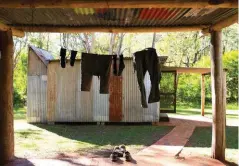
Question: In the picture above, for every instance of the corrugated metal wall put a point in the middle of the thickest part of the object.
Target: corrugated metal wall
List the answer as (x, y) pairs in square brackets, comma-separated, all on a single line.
[(73, 105), (100, 103), (36, 89), (132, 110)]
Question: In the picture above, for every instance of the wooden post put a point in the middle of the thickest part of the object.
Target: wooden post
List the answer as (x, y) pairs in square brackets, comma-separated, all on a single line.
[(224, 101), (202, 94), (218, 125), (6, 97)]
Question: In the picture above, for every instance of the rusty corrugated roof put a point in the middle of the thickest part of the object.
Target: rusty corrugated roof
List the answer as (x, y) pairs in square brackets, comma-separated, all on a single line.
[(44, 55), (82, 17)]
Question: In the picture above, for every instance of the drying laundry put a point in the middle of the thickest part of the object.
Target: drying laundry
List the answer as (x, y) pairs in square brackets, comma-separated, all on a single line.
[(73, 57), (95, 65), (147, 60), (63, 57), (118, 67)]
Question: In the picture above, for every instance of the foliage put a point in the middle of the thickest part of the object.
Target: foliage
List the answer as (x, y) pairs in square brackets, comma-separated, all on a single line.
[(189, 86), (20, 81), (183, 49)]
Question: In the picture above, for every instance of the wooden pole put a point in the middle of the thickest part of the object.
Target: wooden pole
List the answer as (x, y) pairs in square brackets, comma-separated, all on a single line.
[(221, 24), (15, 32), (115, 4), (64, 29), (218, 125), (6, 97), (202, 94), (224, 100)]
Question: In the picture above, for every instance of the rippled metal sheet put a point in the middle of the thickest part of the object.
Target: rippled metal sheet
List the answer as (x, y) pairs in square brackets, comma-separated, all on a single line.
[(80, 17), (100, 103), (37, 99), (132, 110), (73, 105)]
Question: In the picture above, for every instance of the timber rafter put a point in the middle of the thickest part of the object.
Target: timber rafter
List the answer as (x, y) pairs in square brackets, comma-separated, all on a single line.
[(115, 4), (15, 32)]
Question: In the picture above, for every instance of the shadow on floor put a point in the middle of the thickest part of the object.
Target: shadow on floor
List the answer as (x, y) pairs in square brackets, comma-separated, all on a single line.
[(19, 162), (110, 135)]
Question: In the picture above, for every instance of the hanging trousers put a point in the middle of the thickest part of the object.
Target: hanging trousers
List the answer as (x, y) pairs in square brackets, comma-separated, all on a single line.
[(147, 60), (118, 69), (95, 65)]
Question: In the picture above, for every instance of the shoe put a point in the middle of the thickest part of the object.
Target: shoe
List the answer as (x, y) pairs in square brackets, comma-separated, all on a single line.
[(118, 151), (127, 156), (114, 157), (122, 148)]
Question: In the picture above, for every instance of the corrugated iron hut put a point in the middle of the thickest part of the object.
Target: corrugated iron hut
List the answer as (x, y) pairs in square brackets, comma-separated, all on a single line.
[(18, 16), (54, 94)]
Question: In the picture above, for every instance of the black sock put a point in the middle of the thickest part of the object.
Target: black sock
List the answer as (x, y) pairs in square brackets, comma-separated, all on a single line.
[(121, 65), (63, 57), (73, 57), (115, 65)]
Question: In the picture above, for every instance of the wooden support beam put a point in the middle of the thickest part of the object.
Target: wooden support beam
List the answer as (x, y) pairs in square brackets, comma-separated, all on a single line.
[(6, 97), (218, 125), (202, 94), (225, 23), (187, 70), (115, 4), (15, 31), (224, 103), (221, 24), (109, 29)]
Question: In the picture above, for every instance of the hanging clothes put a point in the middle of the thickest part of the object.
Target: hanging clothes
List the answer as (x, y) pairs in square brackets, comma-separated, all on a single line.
[(95, 65), (73, 57), (147, 60), (118, 69), (63, 57)]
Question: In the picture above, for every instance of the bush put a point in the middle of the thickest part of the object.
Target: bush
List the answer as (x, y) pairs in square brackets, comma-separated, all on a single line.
[(189, 86)]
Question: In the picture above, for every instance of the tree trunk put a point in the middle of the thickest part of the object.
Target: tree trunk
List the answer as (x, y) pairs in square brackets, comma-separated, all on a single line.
[(202, 94), (120, 44), (218, 125), (112, 41), (6, 97), (154, 38)]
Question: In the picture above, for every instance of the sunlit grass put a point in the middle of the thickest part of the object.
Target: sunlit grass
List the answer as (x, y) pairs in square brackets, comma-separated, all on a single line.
[(200, 142), (49, 140), (20, 113)]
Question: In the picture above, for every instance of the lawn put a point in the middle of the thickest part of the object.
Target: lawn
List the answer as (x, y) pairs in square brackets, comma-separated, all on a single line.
[(200, 143), (20, 113), (230, 114), (49, 141)]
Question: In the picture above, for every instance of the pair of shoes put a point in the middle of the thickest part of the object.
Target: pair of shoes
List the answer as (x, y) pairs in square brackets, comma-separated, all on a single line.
[(120, 151)]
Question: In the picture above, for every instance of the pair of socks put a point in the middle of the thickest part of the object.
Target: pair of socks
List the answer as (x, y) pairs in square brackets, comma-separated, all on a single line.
[(63, 57)]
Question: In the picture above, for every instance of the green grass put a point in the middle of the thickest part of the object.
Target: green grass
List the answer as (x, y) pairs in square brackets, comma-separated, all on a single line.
[(50, 140), (187, 105), (201, 141), (20, 113), (207, 112)]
